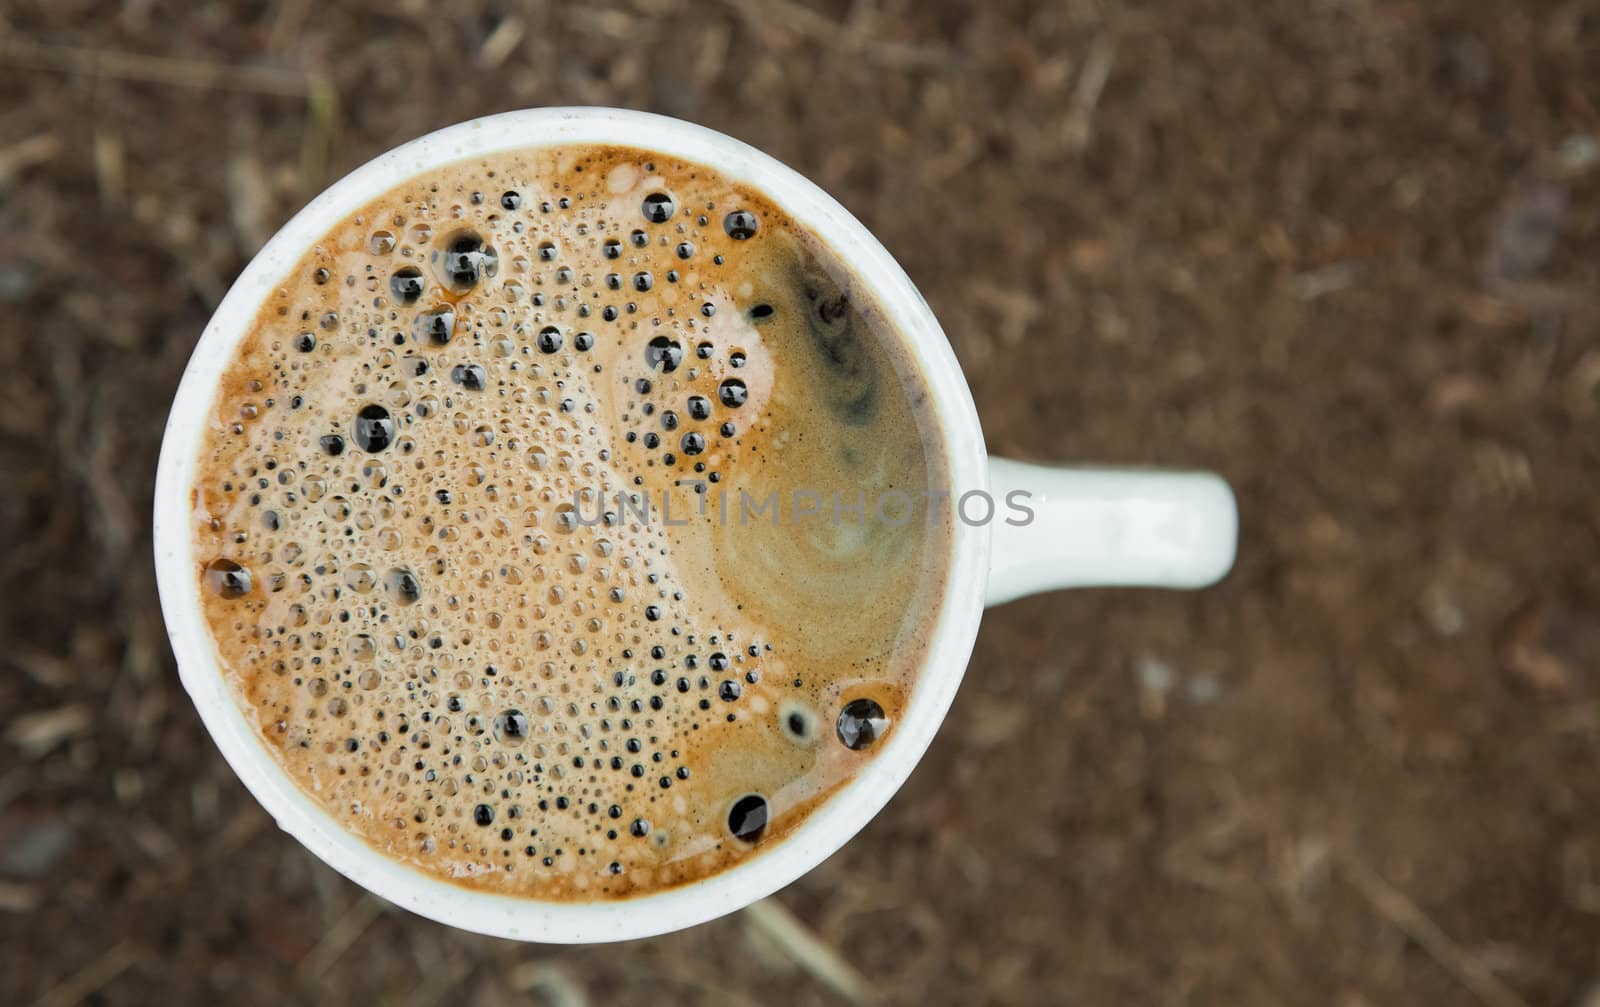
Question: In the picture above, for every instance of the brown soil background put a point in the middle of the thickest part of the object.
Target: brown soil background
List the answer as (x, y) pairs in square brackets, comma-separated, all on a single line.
[(1343, 251)]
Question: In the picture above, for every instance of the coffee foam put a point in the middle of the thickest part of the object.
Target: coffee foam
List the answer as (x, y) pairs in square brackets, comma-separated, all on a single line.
[(431, 600)]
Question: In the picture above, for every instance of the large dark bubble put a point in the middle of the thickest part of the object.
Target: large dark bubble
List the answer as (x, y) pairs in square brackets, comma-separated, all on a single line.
[(747, 819), (374, 429), (466, 260)]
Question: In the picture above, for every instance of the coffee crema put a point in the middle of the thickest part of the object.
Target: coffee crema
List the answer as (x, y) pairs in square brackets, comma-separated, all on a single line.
[(561, 527)]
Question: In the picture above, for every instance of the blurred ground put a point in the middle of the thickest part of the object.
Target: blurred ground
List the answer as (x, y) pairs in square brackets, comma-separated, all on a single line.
[(1344, 251)]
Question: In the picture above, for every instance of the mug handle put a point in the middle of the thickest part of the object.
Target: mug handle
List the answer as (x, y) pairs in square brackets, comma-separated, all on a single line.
[(1106, 527)]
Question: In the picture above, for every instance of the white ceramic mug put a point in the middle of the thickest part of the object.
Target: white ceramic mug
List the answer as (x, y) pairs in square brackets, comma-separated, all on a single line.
[(1091, 527)]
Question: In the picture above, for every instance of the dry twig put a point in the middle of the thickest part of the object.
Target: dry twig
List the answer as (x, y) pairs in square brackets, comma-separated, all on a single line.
[(1079, 124), (501, 42), (809, 951), (808, 24), (91, 978), (153, 69), (1404, 914), (24, 154), (37, 733), (340, 937)]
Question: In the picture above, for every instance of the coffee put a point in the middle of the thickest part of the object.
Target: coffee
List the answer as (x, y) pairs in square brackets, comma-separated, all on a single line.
[(567, 523)]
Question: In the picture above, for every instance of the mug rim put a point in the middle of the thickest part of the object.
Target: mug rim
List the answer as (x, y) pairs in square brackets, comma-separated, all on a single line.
[(827, 827)]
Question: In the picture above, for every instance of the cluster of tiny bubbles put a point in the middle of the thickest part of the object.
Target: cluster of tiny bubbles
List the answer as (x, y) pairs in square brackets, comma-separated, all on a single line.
[(505, 682)]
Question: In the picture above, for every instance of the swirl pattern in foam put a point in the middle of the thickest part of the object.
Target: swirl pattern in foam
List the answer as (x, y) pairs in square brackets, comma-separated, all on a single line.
[(564, 523)]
